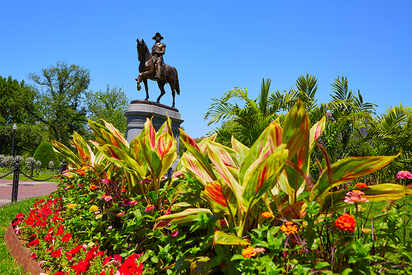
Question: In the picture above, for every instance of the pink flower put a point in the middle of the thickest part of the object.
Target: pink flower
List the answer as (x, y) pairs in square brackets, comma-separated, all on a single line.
[(149, 208), (404, 175), (120, 214), (174, 234), (132, 202), (145, 181), (106, 181), (106, 197), (354, 196), (110, 227)]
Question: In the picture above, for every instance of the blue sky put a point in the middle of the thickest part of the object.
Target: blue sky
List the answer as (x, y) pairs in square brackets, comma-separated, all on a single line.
[(217, 45)]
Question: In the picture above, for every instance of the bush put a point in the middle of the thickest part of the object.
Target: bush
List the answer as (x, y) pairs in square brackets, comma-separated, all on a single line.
[(44, 153)]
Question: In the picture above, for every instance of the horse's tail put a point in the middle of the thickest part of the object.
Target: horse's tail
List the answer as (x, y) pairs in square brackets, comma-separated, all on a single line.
[(176, 81)]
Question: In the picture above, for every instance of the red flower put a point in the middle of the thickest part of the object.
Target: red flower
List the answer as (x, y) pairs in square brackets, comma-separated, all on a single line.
[(34, 242), (91, 254), (59, 273), (346, 223), (48, 238), (107, 259), (60, 231), (81, 266), (130, 266), (69, 255), (56, 253), (20, 216), (74, 251), (66, 237)]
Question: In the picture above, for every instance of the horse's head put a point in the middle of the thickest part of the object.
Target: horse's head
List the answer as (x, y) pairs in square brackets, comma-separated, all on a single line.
[(142, 49)]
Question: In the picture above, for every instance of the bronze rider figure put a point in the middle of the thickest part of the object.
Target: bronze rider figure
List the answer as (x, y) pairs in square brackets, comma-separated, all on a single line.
[(158, 50)]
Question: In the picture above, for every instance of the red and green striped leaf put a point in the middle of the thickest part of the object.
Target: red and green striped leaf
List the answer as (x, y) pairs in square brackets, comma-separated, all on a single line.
[(224, 238), (186, 216), (348, 169)]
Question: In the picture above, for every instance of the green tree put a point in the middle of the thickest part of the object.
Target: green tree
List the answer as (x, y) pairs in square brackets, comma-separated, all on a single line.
[(18, 105), (63, 89), (109, 105)]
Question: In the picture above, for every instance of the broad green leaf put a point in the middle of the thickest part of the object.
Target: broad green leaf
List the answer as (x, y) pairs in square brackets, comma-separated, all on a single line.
[(186, 216), (348, 169), (316, 131), (194, 150), (195, 167), (223, 238), (117, 137), (296, 129), (269, 139), (221, 158), (66, 153), (386, 192), (239, 149), (259, 176)]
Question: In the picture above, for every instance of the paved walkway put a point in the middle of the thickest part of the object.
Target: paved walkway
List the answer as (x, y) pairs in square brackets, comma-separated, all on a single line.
[(27, 189)]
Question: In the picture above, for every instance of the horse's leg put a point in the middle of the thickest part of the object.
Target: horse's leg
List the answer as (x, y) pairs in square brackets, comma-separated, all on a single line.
[(138, 79), (161, 85), (146, 88), (172, 87)]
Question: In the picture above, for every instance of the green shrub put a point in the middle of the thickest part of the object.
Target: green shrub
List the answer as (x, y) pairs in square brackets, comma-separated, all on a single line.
[(44, 153)]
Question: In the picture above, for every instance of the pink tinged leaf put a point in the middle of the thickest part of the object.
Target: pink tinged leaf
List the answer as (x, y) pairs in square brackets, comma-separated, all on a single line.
[(261, 179), (113, 153), (186, 138), (227, 160), (164, 145), (214, 191)]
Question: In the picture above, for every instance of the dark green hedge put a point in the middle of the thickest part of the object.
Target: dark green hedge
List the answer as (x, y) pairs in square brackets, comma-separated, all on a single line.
[(44, 152)]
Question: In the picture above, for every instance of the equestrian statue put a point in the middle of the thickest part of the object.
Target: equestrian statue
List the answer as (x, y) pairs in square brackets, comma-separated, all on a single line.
[(152, 67)]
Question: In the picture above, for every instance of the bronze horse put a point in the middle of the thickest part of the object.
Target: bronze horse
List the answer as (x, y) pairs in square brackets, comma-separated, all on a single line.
[(147, 71)]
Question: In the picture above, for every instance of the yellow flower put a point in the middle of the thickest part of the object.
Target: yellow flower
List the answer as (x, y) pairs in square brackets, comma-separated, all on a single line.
[(267, 215), (93, 208), (71, 205), (289, 227)]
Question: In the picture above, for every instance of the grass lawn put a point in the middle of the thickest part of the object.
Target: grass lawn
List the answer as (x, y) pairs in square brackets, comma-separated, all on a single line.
[(7, 212), (42, 175)]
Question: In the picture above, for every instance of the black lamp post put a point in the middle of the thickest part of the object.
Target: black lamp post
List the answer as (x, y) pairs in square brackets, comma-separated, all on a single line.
[(12, 141), (16, 169)]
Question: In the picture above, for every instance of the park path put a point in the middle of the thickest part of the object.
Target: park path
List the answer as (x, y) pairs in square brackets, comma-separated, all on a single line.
[(27, 189)]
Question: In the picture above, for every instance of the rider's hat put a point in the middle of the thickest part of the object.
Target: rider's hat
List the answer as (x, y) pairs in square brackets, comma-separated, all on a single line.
[(157, 35)]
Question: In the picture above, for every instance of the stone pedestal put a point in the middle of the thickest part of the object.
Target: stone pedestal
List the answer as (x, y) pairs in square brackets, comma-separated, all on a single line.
[(139, 110)]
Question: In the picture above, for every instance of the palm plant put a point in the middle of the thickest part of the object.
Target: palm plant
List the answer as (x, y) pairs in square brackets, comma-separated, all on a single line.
[(249, 120)]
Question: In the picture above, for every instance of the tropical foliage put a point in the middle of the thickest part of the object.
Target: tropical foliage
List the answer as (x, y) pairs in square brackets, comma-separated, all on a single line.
[(232, 209), (352, 127)]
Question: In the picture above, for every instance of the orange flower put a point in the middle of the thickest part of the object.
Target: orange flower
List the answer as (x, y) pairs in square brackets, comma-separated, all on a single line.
[(251, 251), (346, 223), (289, 227), (81, 171), (267, 215), (93, 187), (361, 185)]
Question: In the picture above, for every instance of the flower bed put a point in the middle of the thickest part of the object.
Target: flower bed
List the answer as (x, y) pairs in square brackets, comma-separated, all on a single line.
[(226, 210)]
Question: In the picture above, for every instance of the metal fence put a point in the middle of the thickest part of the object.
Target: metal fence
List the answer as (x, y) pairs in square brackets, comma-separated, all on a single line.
[(16, 171)]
